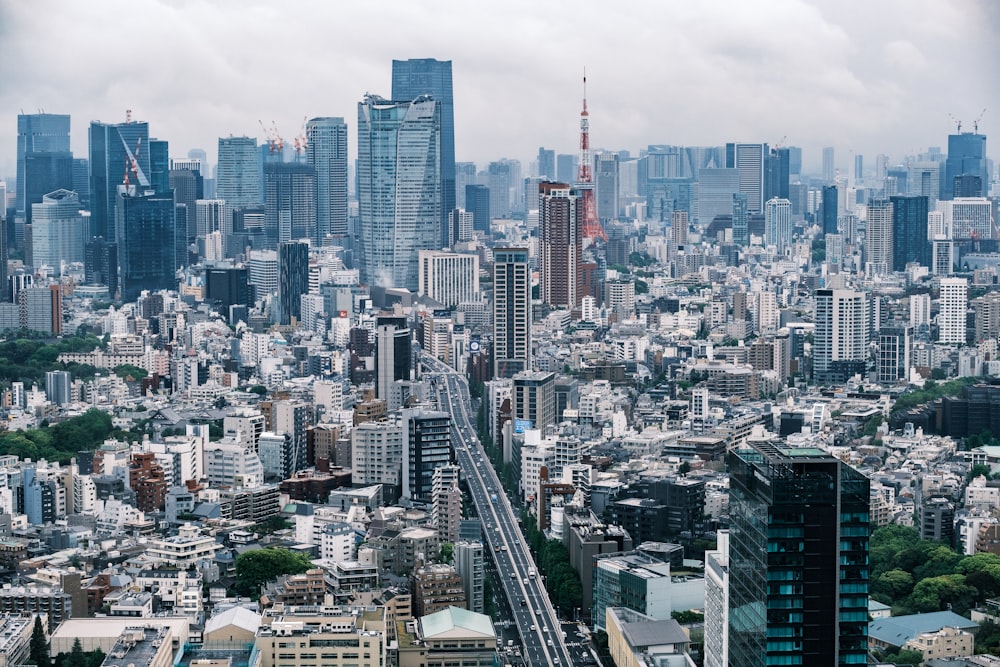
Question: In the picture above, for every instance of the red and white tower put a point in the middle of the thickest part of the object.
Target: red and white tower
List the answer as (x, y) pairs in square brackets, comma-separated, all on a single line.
[(592, 228)]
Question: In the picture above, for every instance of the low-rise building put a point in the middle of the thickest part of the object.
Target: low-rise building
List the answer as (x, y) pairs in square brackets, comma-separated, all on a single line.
[(452, 636)]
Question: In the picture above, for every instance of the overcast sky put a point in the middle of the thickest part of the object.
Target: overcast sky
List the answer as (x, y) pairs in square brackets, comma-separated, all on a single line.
[(863, 76)]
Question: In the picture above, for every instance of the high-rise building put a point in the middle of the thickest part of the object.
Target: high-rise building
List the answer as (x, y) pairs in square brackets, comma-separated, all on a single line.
[(101, 263), (118, 152), (38, 133), (840, 341), (546, 164), (188, 185), (716, 647), (58, 386), (967, 185), (878, 237), (829, 210), (460, 224), (59, 231), (290, 202), (966, 155), (566, 167), (426, 448), (716, 188), (511, 311), (909, 232), (393, 355), (262, 267), (798, 558), (778, 224), (954, 305), (293, 279), (776, 174), (679, 224), (859, 169), (748, 161), (560, 244), (893, 355), (238, 174), (449, 278), (829, 166), (427, 76), (465, 175), (968, 218), (607, 185), (399, 188), (535, 398), (326, 151), (209, 216), (470, 563), (81, 181), (145, 236), (741, 219), (504, 180), (44, 173), (477, 201)]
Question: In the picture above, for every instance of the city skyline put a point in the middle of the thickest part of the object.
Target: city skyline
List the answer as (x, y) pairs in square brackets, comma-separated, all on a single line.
[(858, 78)]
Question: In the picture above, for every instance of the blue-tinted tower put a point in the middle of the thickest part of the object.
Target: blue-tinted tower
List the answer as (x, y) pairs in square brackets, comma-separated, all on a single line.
[(909, 232), (38, 133), (115, 150), (966, 155)]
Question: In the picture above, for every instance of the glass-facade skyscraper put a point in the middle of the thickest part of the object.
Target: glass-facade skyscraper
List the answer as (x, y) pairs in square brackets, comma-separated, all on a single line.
[(327, 153), (293, 279), (399, 187), (427, 76), (238, 175), (909, 232), (44, 172), (289, 202), (966, 155), (798, 558), (147, 245), (38, 133), (115, 150)]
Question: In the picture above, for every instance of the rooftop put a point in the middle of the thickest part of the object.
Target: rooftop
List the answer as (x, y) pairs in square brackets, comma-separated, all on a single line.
[(454, 621), (898, 630)]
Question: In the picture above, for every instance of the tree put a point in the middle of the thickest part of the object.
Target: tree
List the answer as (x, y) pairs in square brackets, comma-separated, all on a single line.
[(253, 568), (904, 657), (38, 647), (979, 469), (76, 657), (447, 549), (892, 586), (684, 468)]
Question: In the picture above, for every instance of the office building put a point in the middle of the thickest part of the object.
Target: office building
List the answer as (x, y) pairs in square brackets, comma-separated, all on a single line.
[(566, 167), (58, 387), (560, 244), (377, 456), (954, 304), (470, 563), (859, 170), (45, 173), (118, 154), (892, 362), (460, 225), (101, 264), (188, 184), (427, 448), (546, 166), (840, 341), (446, 502), (228, 286), (607, 190), (534, 399), (748, 161), (145, 237), (238, 174), (504, 182), (798, 558), (967, 185), (925, 179), (293, 279), (968, 218), (966, 155), (942, 256), (210, 216), (829, 166), (477, 201), (427, 76), (776, 176), (289, 202), (59, 231), (37, 134), (465, 175), (716, 187), (878, 237), (741, 219), (511, 311), (716, 647), (393, 356), (449, 278), (909, 232), (40, 309), (399, 188), (344, 636), (778, 224), (326, 152), (829, 210)]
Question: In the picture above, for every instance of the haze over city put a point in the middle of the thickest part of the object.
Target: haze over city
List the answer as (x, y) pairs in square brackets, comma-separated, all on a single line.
[(862, 77)]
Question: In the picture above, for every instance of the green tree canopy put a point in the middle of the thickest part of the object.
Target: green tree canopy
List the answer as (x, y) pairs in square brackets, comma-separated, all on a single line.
[(253, 568), (38, 646)]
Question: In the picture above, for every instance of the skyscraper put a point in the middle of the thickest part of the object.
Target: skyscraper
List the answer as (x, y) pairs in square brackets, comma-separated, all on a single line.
[(954, 304), (840, 341), (829, 166), (741, 219), (776, 174), (504, 180), (59, 232), (427, 447), (238, 173), (798, 558), (38, 133), (477, 201), (878, 237), (293, 279), (290, 202), (145, 236), (427, 76), (778, 224), (393, 355), (909, 232), (546, 164), (748, 160), (560, 244), (44, 173), (966, 155), (511, 311), (607, 185), (399, 187), (465, 175), (829, 210), (327, 153), (859, 169), (566, 168), (116, 151)]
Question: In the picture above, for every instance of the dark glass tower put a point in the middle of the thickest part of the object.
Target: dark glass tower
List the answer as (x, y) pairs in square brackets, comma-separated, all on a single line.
[(798, 559), (145, 235), (112, 150), (44, 173), (828, 210), (741, 220), (966, 155), (427, 76), (38, 133), (290, 201), (477, 202), (293, 279), (776, 174), (909, 232)]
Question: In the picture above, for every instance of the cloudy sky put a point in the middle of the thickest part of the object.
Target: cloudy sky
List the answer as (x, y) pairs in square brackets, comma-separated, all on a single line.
[(868, 77)]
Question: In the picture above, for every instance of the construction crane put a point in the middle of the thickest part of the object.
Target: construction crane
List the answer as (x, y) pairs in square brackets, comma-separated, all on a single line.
[(132, 163), (592, 228), (958, 123), (975, 123), (302, 140), (780, 143), (274, 141)]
